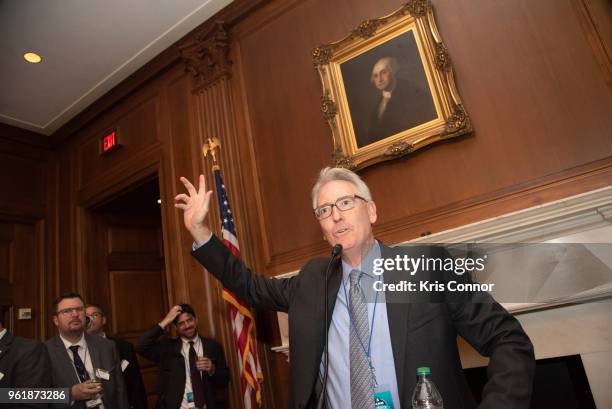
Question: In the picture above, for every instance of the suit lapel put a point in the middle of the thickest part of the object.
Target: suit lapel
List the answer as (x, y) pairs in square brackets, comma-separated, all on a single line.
[(94, 353), (397, 316), (63, 359), (333, 285)]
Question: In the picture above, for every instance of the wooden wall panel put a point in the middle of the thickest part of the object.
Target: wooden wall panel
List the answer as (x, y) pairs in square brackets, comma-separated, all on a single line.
[(137, 127), (539, 105), (135, 299), (20, 272), (24, 211), (21, 179)]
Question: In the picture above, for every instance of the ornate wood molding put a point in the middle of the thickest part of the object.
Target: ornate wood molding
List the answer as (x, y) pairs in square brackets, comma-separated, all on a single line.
[(206, 56)]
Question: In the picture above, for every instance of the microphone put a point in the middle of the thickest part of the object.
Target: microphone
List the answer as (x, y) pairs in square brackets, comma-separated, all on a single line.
[(321, 401), (87, 322)]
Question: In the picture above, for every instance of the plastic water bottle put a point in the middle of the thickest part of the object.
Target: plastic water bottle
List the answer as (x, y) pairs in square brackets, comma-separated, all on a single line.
[(426, 395)]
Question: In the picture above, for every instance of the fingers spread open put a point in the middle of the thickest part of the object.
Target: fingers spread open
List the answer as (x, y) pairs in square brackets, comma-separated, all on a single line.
[(188, 186)]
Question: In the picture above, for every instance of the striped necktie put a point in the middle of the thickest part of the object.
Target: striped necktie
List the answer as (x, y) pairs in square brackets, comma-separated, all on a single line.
[(362, 382)]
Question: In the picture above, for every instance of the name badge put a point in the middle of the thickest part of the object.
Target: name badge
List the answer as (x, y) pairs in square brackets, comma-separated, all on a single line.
[(124, 364), (102, 374), (190, 402), (382, 398)]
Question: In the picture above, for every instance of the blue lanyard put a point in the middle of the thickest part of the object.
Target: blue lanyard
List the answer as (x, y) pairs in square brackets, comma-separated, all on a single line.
[(368, 351)]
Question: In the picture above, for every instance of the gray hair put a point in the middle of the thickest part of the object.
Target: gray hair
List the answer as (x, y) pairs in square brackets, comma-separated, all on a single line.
[(390, 62), (329, 174)]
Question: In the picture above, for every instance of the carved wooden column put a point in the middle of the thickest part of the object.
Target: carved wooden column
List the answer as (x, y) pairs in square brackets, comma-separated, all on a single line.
[(206, 57)]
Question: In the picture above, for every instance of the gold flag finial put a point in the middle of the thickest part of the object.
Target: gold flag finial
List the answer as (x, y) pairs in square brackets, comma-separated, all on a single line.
[(211, 146)]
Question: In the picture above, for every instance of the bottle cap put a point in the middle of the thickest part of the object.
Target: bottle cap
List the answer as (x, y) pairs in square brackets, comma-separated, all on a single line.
[(423, 370)]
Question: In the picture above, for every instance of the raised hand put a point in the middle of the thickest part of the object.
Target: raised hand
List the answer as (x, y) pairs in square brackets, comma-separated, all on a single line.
[(195, 205), (174, 312)]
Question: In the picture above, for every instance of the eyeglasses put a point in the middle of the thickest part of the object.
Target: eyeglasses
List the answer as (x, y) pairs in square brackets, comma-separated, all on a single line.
[(68, 311), (343, 204), (95, 315)]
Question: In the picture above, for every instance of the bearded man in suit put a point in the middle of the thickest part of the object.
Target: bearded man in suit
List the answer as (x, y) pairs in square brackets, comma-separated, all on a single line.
[(192, 367), (87, 364)]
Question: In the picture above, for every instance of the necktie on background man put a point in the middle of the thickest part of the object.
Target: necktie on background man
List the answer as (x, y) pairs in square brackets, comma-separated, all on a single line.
[(242, 318), (78, 364), (362, 382), (196, 378)]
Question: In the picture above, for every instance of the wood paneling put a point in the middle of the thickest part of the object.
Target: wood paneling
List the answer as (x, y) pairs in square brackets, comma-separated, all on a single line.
[(22, 179), (595, 17), (135, 297), (137, 130), (125, 268), (24, 214), (20, 274)]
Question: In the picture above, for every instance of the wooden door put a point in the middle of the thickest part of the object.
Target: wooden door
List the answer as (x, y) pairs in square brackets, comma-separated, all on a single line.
[(126, 274)]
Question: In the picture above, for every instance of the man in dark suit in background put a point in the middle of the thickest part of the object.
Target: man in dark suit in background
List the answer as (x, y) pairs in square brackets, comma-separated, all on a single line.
[(401, 106), (191, 366), (137, 396), (403, 335), (23, 363), (87, 364)]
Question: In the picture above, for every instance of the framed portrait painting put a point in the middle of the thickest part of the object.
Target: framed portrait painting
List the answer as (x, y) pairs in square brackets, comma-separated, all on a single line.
[(388, 88)]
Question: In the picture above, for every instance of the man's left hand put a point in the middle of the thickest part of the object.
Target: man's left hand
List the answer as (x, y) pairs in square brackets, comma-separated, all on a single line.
[(205, 364)]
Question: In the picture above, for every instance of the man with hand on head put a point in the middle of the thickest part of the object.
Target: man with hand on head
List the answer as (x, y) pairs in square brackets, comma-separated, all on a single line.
[(135, 390), (87, 364), (23, 363), (374, 347), (191, 366)]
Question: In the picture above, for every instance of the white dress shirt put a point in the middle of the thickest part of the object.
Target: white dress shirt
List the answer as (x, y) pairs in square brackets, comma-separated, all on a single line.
[(197, 345), (85, 356)]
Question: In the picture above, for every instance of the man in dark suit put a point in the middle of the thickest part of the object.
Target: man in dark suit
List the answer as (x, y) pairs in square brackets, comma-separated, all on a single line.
[(370, 343), (401, 106), (23, 363), (137, 396), (191, 366), (87, 364)]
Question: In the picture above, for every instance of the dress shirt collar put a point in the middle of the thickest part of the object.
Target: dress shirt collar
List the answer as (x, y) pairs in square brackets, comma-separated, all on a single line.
[(367, 263), (80, 343), (195, 340)]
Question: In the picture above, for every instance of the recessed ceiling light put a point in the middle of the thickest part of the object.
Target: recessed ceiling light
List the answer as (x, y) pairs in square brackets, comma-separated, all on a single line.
[(32, 57)]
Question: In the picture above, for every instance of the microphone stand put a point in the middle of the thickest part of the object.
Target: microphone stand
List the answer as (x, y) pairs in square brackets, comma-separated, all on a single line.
[(321, 401)]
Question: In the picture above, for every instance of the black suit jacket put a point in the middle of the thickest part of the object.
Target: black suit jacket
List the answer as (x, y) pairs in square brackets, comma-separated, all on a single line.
[(407, 108), (422, 334), (136, 394), (23, 364), (171, 382), (103, 355)]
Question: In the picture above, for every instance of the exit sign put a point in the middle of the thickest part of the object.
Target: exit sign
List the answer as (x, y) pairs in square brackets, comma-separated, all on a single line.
[(109, 142)]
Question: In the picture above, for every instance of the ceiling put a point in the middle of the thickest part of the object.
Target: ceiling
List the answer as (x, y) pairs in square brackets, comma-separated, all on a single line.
[(87, 46)]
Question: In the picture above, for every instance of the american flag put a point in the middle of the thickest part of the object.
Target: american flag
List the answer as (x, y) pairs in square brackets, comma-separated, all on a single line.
[(242, 319)]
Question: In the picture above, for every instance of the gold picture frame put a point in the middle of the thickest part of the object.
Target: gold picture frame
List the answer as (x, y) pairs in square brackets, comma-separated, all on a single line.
[(389, 88)]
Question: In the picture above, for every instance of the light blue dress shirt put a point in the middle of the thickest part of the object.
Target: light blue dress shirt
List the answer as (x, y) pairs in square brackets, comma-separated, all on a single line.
[(339, 379)]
